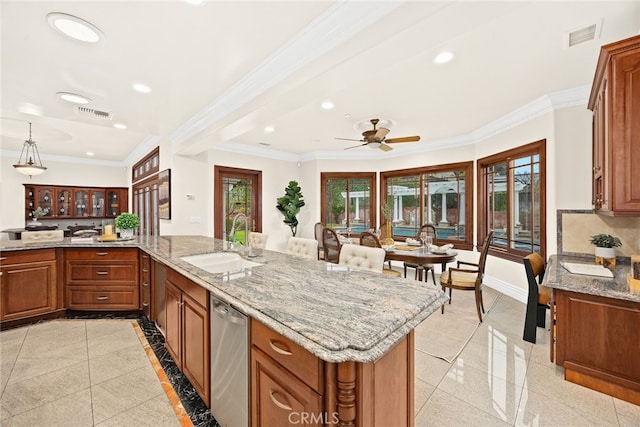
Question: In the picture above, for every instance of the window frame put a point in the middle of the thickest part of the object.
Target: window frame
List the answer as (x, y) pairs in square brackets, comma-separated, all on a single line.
[(533, 148), (467, 243), (373, 181)]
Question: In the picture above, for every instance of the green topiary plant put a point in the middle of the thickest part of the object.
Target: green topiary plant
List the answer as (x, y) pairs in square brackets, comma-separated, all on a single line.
[(127, 221), (605, 241), (289, 205)]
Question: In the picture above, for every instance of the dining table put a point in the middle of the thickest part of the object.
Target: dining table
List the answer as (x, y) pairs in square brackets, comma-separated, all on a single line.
[(419, 255)]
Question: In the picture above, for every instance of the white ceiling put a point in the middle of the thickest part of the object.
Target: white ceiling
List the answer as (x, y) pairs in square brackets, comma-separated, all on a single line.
[(223, 71)]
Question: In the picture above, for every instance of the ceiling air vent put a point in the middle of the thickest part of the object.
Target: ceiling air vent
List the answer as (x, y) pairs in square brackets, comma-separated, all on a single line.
[(94, 113), (582, 35)]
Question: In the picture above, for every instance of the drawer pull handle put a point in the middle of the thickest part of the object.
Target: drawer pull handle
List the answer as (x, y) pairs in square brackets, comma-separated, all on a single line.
[(285, 406), (145, 284), (144, 270), (145, 256), (102, 273), (102, 253), (102, 298), (145, 304), (3, 258), (276, 346)]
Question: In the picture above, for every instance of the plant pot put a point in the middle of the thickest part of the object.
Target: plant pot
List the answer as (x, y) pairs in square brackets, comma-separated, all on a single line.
[(126, 234), (605, 256)]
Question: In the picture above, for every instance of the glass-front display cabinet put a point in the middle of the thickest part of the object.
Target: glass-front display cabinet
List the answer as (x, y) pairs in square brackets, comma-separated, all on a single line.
[(97, 203), (63, 202)]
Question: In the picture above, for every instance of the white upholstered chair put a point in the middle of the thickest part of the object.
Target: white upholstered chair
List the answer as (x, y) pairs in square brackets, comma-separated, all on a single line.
[(42, 236), (306, 248), (257, 240), (362, 257)]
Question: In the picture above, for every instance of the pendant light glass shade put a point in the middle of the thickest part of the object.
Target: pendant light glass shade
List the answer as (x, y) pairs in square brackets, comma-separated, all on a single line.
[(29, 151)]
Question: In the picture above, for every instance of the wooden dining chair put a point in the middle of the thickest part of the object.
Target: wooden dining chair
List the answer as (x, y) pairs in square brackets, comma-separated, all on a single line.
[(317, 231), (331, 245), (468, 279), (431, 231), (539, 296), (369, 239)]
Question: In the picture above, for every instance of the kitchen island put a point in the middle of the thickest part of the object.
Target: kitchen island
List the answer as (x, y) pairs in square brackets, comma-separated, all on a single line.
[(595, 333), (354, 328)]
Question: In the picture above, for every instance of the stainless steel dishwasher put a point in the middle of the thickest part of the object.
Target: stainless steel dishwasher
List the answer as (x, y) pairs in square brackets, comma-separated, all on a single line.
[(229, 365)]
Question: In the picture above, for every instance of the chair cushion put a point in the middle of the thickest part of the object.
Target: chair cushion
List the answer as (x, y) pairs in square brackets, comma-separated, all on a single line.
[(410, 265), (544, 295), (459, 278), (393, 273)]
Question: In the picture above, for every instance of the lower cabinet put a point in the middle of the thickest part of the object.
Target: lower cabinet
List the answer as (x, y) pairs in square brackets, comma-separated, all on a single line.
[(28, 283), (102, 279), (290, 386), (597, 340), (145, 284), (187, 330)]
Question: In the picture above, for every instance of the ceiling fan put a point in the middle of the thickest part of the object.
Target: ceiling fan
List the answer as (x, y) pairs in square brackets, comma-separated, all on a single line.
[(376, 138)]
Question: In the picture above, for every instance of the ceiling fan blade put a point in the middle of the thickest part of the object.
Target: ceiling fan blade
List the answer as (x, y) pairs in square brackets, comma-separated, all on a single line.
[(381, 133), (356, 146), (349, 139), (403, 139), (385, 147)]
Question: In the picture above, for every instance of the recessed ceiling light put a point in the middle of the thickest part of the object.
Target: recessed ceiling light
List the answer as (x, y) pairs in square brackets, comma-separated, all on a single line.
[(73, 97), (269, 129), (327, 105), (90, 153), (194, 2), (32, 109), (75, 27), (141, 87), (443, 57), (119, 126)]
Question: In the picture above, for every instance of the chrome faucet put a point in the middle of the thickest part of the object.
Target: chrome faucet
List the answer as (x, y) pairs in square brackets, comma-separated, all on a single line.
[(246, 230)]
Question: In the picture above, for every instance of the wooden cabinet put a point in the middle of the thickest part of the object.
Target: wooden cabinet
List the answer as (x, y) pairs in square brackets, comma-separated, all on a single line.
[(615, 102), (187, 330), (28, 283), (102, 279), (290, 386), (75, 202), (597, 342)]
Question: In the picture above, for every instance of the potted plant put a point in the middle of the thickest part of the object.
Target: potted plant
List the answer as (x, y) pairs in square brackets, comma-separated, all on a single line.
[(605, 248), (37, 214), (126, 222), (289, 205)]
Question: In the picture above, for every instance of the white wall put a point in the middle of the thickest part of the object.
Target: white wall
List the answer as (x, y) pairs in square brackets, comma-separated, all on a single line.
[(58, 173)]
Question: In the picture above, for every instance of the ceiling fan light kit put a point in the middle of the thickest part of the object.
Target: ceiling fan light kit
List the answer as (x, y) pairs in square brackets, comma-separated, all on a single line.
[(376, 138)]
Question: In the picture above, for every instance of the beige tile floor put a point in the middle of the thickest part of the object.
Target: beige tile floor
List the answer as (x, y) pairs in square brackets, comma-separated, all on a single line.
[(94, 372)]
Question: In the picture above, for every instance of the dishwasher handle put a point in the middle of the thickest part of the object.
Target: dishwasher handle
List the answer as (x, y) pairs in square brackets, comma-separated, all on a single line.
[(228, 314)]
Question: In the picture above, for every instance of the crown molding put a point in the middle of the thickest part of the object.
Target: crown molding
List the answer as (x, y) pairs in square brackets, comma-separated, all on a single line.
[(336, 25), (142, 149)]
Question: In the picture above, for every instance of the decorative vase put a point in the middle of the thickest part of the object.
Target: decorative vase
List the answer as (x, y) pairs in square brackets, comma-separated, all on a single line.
[(126, 234), (387, 241), (605, 256), (34, 222)]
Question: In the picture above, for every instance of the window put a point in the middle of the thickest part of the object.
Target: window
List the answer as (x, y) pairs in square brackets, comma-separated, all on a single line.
[(147, 166), (511, 199), (145, 192), (438, 195), (346, 200)]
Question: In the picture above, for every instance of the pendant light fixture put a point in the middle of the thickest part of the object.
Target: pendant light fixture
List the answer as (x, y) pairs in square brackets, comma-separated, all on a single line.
[(30, 151)]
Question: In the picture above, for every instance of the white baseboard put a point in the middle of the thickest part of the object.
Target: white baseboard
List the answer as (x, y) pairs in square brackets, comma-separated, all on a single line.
[(506, 288)]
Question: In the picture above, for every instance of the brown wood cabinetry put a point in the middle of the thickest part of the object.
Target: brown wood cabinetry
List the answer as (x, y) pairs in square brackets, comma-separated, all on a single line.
[(146, 282), (290, 386), (28, 284), (102, 279), (615, 102), (187, 330), (597, 340), (75, 202)]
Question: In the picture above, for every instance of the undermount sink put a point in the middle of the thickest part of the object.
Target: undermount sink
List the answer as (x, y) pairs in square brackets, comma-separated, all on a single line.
[(219, 262)]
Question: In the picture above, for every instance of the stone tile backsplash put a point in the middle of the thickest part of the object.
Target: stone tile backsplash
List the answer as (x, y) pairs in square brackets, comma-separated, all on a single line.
[(576, 228)]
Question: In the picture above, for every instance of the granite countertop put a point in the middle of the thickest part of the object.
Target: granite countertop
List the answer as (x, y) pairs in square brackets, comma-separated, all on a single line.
[(335, 312), (557, 277)]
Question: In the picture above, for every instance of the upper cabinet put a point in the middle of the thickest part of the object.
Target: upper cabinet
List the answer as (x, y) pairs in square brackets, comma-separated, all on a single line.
[(75, 202), (615, 102)]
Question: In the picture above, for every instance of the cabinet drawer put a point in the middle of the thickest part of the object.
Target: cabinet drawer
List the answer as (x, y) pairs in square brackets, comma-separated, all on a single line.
[(97, 298), (290, 355), (32, 255), (112, 273), (102, 254)]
